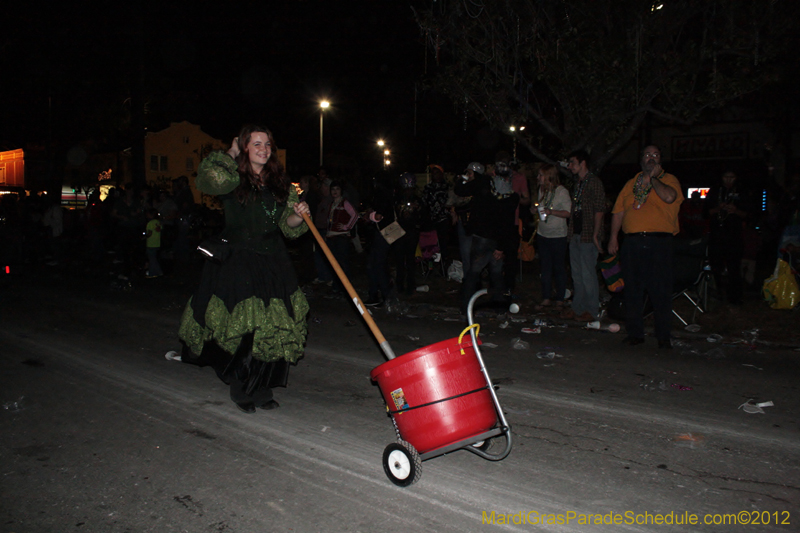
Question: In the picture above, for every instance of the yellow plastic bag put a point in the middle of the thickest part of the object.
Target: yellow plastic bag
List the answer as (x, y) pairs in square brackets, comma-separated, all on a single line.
[(781, 290)]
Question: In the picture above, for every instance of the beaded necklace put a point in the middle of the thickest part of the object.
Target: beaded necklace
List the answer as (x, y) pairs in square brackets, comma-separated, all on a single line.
[(726, 196), (640, 192), (578, 196), (546, 200), (269, 212)]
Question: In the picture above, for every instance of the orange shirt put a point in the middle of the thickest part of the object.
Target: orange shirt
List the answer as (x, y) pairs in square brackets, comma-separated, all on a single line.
[(655, 215)]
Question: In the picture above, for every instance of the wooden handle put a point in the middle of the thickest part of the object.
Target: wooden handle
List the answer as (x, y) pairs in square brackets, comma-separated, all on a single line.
[(387, 350)]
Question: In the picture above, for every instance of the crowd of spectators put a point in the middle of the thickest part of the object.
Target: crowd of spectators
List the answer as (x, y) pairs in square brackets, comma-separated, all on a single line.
[(476, 214), (121, 230), (479, 214)]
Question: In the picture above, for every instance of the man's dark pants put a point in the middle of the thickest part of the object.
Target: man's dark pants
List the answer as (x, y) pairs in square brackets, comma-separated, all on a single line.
[(481, 255), (647, 267), (511, 261), (725, 252), (377, 267)]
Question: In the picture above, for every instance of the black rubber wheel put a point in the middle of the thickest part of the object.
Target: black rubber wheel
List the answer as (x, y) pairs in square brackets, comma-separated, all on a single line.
[(402, 464)]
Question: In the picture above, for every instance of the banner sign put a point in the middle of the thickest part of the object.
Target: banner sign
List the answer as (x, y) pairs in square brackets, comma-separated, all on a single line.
[(719, 146)]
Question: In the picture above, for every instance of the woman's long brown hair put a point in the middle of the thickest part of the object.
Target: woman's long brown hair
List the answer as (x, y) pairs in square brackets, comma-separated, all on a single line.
[(550, 173), (272, 175)]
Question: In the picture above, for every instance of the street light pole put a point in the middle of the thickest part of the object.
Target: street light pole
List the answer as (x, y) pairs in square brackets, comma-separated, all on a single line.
[(513, 130), (323, 105)]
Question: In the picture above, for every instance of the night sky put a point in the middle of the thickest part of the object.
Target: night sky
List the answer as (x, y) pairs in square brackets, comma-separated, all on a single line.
[(77, 74)]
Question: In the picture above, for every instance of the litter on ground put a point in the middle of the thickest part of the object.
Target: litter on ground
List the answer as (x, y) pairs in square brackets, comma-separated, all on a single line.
[(519, 344), (755, 408), (689, 440)]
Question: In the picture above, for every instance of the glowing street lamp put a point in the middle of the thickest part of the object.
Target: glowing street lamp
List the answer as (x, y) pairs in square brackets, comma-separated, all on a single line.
[(323, 105), (386, 152)]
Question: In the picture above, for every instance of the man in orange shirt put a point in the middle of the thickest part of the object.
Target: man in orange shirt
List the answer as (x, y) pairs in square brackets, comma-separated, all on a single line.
[(646, 211)]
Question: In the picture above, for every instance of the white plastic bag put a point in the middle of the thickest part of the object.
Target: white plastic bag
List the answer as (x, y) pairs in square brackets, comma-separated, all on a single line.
[(455, 271)]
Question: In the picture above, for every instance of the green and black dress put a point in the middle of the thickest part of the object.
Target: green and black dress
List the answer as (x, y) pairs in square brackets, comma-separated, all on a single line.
[(247, 319)]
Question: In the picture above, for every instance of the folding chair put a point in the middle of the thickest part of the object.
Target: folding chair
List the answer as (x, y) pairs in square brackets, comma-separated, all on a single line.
[(428, 253), (691, 275)]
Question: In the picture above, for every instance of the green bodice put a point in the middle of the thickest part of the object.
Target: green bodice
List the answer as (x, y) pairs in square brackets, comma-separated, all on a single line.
[(255, 224)]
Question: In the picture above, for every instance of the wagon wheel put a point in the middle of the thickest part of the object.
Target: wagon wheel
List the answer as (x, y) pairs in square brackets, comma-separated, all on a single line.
[(483, 445), (402, 464)]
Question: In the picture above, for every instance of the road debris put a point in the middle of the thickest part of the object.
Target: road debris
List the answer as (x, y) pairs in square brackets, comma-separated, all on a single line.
[(519, 344), (755, 408), (689, 440)]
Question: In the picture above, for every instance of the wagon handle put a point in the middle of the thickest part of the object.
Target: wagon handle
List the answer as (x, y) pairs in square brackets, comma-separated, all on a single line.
[(384, 344)]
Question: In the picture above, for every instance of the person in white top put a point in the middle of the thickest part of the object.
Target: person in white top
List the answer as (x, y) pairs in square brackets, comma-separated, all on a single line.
[(553, 209)]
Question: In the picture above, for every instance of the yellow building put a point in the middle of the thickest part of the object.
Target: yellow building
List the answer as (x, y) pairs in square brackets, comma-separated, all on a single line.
[(12, 169), (177, 151)]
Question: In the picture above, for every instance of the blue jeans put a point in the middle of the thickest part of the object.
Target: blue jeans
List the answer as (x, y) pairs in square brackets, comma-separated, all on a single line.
[(481, 255), (552, 253), (583, 263), (154, 267)]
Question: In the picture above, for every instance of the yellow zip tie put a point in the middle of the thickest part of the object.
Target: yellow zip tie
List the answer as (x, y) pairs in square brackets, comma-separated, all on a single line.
[(477, 332)]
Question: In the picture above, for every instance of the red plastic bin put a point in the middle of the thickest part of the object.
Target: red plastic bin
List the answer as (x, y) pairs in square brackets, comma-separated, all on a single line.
[(430, 374)]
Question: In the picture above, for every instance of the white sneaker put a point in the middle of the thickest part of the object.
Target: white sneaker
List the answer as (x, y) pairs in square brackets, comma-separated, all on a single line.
[(172, 355)]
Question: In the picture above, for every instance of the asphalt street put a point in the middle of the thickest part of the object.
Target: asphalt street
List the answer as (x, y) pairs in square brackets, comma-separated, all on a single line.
[(100, 433)]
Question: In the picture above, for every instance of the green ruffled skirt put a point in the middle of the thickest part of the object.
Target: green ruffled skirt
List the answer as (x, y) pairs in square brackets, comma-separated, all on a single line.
[(250, 294)]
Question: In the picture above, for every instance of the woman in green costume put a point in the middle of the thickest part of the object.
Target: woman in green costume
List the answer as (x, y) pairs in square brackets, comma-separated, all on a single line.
[(247, 320)]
